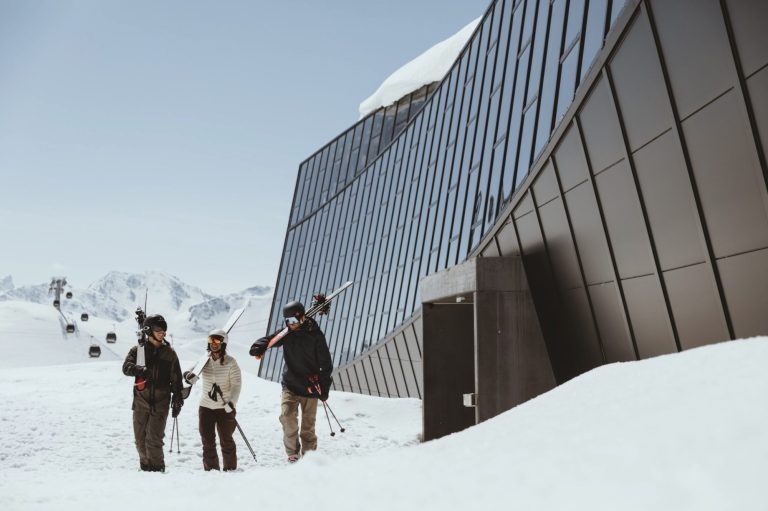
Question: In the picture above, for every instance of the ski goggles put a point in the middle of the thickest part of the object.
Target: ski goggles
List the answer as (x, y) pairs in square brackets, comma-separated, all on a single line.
[(216, 339), (292, 321)]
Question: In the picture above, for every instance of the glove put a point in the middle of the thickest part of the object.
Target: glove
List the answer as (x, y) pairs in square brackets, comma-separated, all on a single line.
[(324, 396), (314, 379), (257, 351), (176, 403), (190, 377), (141, 372), (229, 407)]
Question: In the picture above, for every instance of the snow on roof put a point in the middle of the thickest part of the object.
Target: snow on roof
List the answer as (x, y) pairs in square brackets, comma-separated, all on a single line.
[(430, 66)]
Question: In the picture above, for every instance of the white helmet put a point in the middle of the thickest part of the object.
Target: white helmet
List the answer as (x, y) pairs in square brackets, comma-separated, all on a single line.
[(218, 333)]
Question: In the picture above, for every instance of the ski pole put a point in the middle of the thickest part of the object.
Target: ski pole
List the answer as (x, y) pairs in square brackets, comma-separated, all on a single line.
[(178, 440), (327, 409), (173, 428), (217, 389), (246, 440)]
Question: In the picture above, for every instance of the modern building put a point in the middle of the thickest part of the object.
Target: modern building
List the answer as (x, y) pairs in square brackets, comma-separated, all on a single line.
[(587, 184)]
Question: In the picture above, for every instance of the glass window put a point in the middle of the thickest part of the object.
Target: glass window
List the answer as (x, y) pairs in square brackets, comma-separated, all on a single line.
[(593, 38), (516, 119), (567, 82), (373, 147), (616, 7), (363, 158), (549, 83), (539, 38), (401, 117), (575, 16), (323, 179), (389, 123)]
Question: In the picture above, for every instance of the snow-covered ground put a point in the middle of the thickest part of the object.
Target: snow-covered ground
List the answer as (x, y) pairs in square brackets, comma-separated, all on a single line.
[(684, 431)]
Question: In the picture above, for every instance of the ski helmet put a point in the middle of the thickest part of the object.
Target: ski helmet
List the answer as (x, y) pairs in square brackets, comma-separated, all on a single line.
[(293, 310), (154, 321), (218, 333)]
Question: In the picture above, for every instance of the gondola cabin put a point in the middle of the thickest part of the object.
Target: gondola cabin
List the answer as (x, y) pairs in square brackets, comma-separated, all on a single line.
[(94, 351), (84, 316), (69, 294), (56, 303), (111, 337)]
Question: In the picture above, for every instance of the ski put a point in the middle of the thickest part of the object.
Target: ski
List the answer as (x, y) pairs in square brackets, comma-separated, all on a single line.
[(321, 305), (191, 376)]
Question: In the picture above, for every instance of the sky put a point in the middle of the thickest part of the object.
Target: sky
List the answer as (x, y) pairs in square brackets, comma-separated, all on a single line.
[(166, 136), (684, 431)]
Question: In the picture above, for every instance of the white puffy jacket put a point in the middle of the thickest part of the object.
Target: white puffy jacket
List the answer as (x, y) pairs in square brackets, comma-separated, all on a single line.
[(227, 376)]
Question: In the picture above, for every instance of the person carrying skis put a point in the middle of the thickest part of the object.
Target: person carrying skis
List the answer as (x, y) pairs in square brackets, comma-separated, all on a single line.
[(221, 389), (157, 388), (306, 378)]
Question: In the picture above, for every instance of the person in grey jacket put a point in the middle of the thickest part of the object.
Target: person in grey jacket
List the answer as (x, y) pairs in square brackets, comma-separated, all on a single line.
[(222, 382)]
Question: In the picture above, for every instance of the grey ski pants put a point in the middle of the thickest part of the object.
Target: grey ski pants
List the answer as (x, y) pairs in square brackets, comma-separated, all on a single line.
[(149, 431)]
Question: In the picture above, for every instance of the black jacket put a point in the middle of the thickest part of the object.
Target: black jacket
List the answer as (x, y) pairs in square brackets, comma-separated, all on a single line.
[(306, 354), (164, 374)]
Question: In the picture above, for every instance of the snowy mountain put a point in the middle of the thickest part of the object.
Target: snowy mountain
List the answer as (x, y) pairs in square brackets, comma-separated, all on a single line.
[(6, 284), (114, 297)]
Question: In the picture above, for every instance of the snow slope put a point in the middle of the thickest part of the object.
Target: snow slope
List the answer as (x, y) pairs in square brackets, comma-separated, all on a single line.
[(683, 431)]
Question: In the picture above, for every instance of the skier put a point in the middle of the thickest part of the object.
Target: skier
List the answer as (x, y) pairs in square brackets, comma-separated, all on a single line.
[(306, 378), (221, 390), (157, 387)]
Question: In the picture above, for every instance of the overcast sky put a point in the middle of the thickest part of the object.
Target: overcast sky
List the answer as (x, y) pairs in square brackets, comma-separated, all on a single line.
[(166, 135)]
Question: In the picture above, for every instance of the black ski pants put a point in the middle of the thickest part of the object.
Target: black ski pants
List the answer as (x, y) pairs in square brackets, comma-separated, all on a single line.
[(225, 423)]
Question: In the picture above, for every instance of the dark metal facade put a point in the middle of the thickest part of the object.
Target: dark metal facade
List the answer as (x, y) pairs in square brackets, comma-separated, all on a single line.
[(631, 180)]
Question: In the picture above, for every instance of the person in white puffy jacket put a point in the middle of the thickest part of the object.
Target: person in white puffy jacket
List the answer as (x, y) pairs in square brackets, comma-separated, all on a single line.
[(221, 389)]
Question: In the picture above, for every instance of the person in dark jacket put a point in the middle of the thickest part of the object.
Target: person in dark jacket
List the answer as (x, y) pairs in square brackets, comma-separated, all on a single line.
[(306, 378), (157, 387)]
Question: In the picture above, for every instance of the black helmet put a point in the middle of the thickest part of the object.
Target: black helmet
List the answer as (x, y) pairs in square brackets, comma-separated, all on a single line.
[(293, 310), (154, 321)]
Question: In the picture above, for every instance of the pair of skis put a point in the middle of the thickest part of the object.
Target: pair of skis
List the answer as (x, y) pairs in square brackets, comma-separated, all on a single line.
[(320, 306), (191, 376)]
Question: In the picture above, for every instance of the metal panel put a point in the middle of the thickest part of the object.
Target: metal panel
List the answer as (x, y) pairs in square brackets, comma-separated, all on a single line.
[(508, 240), (373, 375), (745, 282), (602, 134), (545, 187), (698, 58), (583, 345), (733, 201), (405, 363), (562, 253), (669, 203), (758, 93), (570, 160), (610, 320), (624, 220), (749, 19), (392, 367), (648, 313), (588, 231), (523, 207), (639, 85), (696, 306)]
